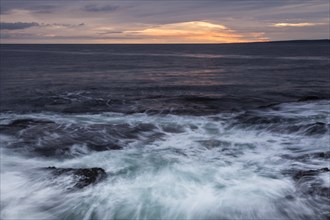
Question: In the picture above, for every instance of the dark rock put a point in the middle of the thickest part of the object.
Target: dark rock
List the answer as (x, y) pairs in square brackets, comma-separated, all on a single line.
[(212, 143), (252, 118), (49, 139), (309, 98), (104, 147), (82, 176), (290, 197), (24, 123), (318, 190), (317, 128), (308, 183), (19, 124), (308, 173), (307, 157), (172, 128), (199, 99), (323, 154), (271, 105)]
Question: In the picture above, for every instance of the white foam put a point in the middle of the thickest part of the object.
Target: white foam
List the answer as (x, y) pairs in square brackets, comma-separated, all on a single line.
[(208, 170)]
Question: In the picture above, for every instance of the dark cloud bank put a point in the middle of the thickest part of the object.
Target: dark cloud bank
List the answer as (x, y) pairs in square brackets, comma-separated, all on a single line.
[(17, 25)]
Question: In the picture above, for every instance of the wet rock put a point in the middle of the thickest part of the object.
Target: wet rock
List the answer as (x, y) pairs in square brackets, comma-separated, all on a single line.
[(273, 106), (307, 157), (309, 98), (212, 143), (19, 124), (318, 190), (308, 183), (325, 155), (253, 118), (289, 197), (24, 123), (71, 149), (172, 128), (317, 128), (104, 146), (27, 122), (308, 173), (48, 139), (82, 176)]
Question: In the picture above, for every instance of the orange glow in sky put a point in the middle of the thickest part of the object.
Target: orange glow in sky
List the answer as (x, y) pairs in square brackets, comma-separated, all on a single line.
[(199, 21), (195, 31)]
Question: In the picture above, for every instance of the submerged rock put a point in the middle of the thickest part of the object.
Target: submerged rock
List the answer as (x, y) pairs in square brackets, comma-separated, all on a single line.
[(29, 122), (309, 98), (308, 182), (19, 124), (308, 173), (309, 156), (317, 128), (82, 176)]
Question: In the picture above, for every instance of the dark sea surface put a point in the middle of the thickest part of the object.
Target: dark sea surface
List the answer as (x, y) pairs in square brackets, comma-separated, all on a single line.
[(235, 131)]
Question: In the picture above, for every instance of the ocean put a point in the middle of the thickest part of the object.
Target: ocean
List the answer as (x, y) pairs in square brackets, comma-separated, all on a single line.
[(209, 131)]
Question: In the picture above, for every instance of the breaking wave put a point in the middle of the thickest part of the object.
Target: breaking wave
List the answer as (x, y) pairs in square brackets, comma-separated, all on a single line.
[(266, 163)]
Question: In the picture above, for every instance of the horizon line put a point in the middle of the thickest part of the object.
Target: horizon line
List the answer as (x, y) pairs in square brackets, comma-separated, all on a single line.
[(251, 42)]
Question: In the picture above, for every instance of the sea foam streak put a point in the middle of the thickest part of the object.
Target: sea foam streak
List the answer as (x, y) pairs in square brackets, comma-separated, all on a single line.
[(225, 166)]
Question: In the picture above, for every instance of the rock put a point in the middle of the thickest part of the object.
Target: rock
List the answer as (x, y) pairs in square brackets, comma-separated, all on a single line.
[(19, 124), (318, 190), (289, 197), (309, 98), (309, 173), (317, 128), (213, 143), (83, 176), (199, 99), (323, 154), (309, 156), (23, 123), (307, 182)]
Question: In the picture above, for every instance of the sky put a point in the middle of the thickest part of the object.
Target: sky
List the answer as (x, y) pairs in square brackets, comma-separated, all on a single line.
[(161, 21)]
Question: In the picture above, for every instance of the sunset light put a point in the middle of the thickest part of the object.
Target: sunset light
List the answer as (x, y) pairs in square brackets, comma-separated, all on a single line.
[(164, 110), (148, 22)]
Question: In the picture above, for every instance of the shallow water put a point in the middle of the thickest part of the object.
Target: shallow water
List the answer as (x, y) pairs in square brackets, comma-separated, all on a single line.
[(171, 167)]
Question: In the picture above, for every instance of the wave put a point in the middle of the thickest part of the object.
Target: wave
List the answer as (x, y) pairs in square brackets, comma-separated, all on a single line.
[(265, 163)]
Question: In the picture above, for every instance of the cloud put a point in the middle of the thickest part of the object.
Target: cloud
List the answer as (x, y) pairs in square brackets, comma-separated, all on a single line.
[(25, 25), (110, 32), (18, 36), (196, 32), (45, 7), (160, 22), (100, 8), (296, 24), (57, 25), (17, 25)]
